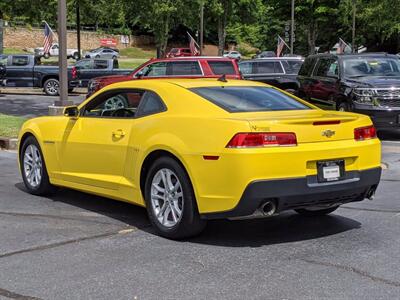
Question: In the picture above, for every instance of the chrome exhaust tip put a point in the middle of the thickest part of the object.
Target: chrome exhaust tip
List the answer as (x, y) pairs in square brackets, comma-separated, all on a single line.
[(268, 208)]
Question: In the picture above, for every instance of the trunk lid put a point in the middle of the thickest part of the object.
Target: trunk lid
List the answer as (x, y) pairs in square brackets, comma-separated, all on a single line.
[(309, 125)]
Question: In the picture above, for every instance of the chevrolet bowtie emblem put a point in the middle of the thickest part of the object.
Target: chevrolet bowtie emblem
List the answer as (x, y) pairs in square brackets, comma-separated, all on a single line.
[(328, 133)]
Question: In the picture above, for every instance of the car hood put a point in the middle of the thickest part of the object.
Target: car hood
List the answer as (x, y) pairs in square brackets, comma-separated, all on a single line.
[(376, 81)]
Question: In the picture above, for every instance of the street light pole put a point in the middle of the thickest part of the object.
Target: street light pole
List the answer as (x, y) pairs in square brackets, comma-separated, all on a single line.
[(78, 29), (201, 26), (353, 34), (292, 29), (62, 61)]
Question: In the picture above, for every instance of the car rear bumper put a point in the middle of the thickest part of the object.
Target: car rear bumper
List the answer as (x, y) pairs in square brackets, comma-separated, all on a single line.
[(382, 118), (294, 193)]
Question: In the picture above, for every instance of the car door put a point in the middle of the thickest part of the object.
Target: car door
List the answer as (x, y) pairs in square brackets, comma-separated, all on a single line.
[(95, 146), (19, 71), (325, 78), (85, 70)]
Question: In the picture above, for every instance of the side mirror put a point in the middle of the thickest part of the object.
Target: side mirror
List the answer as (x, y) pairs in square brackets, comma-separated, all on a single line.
[(71, 111)]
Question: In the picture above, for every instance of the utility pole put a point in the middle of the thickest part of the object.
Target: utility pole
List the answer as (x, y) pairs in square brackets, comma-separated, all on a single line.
[(62, 61), (292, 29), (78, 29), (353, 34), (201, 26)]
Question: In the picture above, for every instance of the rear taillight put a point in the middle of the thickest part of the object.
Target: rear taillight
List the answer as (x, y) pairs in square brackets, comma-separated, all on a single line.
[(262, 139), (364, 133), (74, 72)]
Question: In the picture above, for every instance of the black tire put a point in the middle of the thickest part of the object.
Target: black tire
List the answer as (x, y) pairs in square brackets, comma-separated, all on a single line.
[(343, 106), (190, 223), (291, 91), (315, 213), (46, 55), (45, 187), (51, 86), (97, 56), (114, 57), (70, 90), (76, 56)]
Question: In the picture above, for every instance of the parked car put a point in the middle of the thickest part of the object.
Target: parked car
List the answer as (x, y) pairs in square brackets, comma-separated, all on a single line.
[(192, 150), (102, 52), (277, 71), (264, 54), (367, 83), (178, 67), (233, 54), (54, 51), (178, 52), (27, 71), (91, 68)]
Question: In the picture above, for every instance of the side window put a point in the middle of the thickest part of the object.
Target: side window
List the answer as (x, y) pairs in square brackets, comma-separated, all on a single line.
[(184, 68), (156, 69), (151, 103), (222, 67), (268, 67), (246, 68), (326, 67), (3, 59), (100, 64), (20, 61), (115, 104), (84, 64), (307, 67)]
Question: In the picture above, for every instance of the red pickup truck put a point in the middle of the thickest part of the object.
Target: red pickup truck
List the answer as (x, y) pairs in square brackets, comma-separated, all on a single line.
[(177, 67)]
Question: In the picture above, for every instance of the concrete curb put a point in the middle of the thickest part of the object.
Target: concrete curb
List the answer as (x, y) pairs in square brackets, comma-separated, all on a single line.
[(8, 143)]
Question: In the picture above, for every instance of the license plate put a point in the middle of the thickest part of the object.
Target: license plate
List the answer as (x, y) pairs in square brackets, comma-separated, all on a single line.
[(330, 170)]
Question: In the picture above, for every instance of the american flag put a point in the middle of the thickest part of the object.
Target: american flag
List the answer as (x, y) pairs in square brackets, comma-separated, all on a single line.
[(280, 46), (194, 47), (341, 46), (48, 38)]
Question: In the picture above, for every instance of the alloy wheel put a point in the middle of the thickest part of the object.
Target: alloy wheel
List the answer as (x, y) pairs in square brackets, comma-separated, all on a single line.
[(33, 165), (52, 87), (167, 197)]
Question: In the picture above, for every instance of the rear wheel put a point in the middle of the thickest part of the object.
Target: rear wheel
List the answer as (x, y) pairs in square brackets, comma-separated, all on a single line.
[(33, 168), (51, 87), (316, 212), (170, 200)]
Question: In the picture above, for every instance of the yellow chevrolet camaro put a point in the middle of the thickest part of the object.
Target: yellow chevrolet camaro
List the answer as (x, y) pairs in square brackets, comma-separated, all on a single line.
[(192, 150)]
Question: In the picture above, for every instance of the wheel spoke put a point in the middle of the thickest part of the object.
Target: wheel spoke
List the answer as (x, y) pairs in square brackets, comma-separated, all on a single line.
[(174, 217), (162, 210), (168, 176), (164, 180), (166, 213), (158, 188)]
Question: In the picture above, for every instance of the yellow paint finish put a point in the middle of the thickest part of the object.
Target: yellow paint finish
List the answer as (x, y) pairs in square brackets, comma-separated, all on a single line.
[(87, 155)]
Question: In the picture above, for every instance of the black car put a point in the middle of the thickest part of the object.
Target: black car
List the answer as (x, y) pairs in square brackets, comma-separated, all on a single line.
[(363, 83), (278, 71)]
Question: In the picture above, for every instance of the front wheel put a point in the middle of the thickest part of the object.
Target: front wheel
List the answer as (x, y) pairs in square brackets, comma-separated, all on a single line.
[(170, 200), (51, 87), (316, 212), (343, 106), (33, 168)]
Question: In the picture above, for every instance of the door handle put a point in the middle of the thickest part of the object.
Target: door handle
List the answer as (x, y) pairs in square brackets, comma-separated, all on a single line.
[(118, 133)]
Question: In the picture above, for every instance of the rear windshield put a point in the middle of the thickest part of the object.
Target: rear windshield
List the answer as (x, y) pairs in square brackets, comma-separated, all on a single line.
[(222, 67), (249, 98)]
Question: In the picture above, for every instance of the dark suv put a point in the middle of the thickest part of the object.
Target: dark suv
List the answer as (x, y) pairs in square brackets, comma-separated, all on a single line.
[(364, 83), (277, 71)]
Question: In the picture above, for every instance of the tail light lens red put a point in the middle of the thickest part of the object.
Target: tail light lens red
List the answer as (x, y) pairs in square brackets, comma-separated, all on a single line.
[(74, 72), (262, 139), (364, 133)]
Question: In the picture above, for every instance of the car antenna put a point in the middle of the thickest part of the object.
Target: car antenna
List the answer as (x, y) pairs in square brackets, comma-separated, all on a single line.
[(222, 78)]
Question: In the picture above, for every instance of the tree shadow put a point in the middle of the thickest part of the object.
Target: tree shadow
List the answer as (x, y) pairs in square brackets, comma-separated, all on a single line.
[(285, 228)]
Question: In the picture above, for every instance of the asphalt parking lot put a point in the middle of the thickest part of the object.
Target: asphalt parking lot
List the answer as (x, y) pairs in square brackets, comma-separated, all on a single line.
[(78, 246)]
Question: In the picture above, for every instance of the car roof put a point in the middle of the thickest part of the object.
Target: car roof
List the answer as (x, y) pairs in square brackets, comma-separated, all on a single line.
[(185, 83), (273, 59), (193, 58), (353, 55)]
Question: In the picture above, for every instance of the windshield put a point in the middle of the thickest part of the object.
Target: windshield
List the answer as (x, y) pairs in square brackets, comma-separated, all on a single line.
[(371, 66), (249, 98)]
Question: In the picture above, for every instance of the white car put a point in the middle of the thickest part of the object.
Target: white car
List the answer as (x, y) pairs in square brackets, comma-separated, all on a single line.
[(54, 51), (233, 54)]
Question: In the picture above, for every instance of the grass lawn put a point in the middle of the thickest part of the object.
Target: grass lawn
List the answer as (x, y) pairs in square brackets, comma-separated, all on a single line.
[(133, 52), (131, 63), (13, 51), (10, 125)]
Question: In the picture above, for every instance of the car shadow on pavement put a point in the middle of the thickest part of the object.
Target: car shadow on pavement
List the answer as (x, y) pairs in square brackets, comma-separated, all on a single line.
[(285, 228), (129, 214)]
